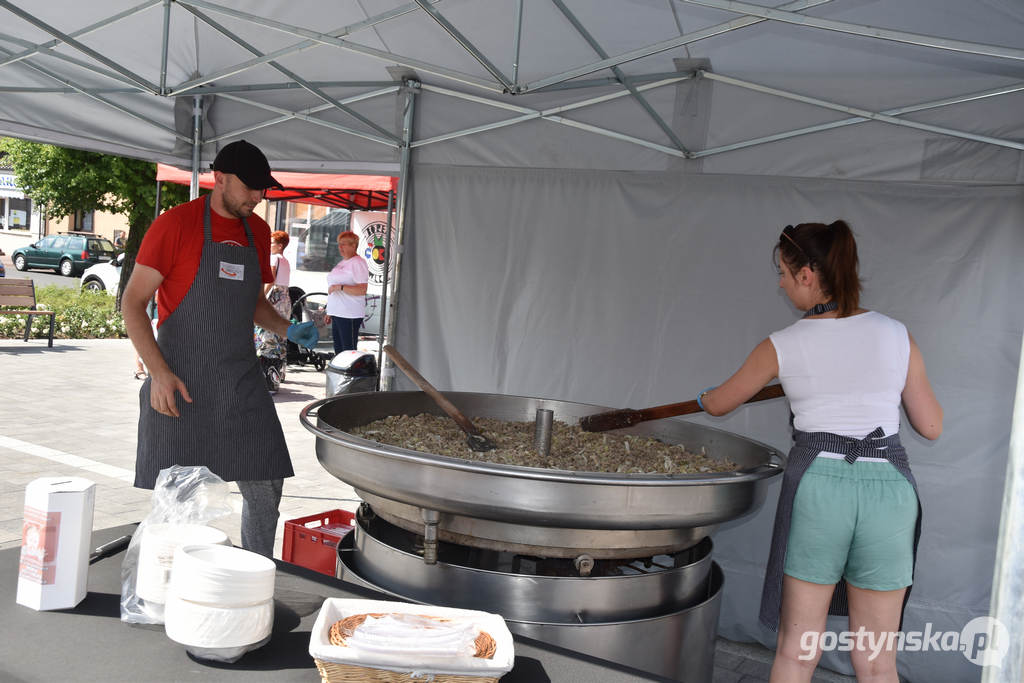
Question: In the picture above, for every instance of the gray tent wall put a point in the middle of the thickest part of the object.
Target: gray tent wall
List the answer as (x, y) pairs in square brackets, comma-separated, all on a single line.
[(636, 289), (585, 256)]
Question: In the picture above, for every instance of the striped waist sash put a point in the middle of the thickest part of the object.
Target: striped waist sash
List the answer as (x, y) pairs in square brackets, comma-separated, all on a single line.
[(874, 445)]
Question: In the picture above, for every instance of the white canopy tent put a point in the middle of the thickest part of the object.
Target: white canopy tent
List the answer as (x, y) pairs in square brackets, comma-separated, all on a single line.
[(589, 193)]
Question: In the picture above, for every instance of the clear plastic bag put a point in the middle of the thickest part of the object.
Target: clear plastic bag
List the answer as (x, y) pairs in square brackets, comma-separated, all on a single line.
[(182, 495)]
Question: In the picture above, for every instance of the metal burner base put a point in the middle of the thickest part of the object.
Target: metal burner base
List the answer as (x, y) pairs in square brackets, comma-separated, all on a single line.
[(543, 541), (679, 644), (657, 614)]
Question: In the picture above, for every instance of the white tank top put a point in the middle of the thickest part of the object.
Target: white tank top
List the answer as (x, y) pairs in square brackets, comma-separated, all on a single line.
[(844, 375)]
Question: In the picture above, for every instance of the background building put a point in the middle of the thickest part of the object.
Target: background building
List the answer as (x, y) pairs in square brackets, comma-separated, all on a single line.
[(20, 222)]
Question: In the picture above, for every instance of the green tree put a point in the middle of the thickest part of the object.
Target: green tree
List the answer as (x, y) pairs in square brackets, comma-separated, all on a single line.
[(62, 181)]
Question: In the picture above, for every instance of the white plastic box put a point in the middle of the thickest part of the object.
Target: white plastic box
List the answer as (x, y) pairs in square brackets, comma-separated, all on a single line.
[(55, 535)]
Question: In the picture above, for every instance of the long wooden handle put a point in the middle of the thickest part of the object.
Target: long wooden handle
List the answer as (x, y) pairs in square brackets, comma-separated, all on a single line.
[(446, 405), (687, 407), (617, 419)]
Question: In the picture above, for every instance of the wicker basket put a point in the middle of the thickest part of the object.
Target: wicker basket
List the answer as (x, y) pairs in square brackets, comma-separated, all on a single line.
[(333, 672), (341, 664)]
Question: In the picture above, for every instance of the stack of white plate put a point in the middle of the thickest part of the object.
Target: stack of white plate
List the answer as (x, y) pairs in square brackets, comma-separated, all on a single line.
[(220, 597), (156, 555)]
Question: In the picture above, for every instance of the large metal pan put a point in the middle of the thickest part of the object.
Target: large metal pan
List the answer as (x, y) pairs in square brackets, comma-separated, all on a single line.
[(534, 496)]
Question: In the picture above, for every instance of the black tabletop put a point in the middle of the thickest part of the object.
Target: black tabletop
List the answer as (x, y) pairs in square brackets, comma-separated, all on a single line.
[(90, 643)]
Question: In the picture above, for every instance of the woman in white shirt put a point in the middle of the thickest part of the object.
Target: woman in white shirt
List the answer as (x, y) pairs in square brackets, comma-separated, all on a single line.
[(848, 517), (346, 293)]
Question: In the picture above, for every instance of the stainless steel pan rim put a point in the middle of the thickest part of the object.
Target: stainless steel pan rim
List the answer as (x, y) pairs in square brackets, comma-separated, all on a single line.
[(537, 497), (330, 433)]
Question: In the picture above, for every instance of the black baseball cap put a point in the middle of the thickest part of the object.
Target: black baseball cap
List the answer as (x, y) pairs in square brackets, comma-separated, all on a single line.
[(246, 161)]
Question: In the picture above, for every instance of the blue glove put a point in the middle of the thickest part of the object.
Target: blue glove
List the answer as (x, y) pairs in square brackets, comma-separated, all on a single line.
[(304, 334)]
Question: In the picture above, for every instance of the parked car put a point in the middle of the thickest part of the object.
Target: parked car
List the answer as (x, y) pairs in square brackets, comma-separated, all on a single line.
[(103, 276), (66, 254)]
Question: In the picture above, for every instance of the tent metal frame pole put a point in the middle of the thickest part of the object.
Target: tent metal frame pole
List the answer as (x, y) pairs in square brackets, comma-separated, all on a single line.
[(621, 77), (517, 42), (288, 85), (664, 45), (165, 41), (46, 47), (85, 66), (287, 73), (197, 144), (299, 47), (918, 39), (143, 83), (1008, 580), (604, 82), (384, 317), (387, 370), (286, 115), (551, 115), (69, 90), (327, 39), (863, 113), (466, 44), (995, 92), (101, 100)]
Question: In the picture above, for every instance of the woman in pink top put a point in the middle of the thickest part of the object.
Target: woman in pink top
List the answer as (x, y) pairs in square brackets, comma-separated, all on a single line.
[(346, 293)]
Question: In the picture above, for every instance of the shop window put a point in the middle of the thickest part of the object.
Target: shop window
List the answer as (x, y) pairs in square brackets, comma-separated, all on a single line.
[(18, 213), (81, 221)]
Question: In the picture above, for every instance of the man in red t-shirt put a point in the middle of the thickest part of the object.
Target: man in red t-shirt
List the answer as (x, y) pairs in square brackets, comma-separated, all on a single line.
[(205, 401)]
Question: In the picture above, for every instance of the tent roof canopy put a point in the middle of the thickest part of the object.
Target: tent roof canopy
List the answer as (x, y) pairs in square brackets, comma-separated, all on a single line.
[(837, 88), (354, 192)]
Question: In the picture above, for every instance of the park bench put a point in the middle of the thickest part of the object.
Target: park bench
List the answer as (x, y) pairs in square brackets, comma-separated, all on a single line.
[(22, 293)]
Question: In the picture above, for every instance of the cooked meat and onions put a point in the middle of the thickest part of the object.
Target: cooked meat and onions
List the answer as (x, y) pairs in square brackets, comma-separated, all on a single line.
[(571, 448)]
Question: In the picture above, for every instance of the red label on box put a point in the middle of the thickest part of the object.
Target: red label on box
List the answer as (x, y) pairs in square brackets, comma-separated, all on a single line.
[(39, 535)]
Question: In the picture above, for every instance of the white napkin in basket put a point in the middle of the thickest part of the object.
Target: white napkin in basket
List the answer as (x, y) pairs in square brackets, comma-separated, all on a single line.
[(402, 634)]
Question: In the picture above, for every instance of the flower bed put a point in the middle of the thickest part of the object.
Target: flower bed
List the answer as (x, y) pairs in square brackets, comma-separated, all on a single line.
[(81, 314)]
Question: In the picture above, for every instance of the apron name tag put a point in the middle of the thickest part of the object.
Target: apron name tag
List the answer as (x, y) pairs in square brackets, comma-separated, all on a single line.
[(231, 271)]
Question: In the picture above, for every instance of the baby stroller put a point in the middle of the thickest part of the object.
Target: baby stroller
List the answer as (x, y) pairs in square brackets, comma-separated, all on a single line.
[(270, 348), (309, 307)]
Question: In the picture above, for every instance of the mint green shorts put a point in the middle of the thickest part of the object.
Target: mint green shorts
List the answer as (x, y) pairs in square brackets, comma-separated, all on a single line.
[(854, 522)]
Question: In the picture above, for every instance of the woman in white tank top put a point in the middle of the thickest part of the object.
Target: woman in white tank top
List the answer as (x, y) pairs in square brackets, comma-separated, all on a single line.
[(846, 371)]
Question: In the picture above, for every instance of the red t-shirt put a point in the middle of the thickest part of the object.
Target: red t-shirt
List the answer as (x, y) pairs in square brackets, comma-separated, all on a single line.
[(173, 245)]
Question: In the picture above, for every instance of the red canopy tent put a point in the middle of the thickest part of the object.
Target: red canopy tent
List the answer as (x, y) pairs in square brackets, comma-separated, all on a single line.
[(354, 192)]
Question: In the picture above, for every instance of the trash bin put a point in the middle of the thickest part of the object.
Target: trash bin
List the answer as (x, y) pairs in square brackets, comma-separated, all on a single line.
[(351, 372)]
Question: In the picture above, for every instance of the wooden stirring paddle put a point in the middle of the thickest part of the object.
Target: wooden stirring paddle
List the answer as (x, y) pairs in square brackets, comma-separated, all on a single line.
[(477, 441), (627, 417)]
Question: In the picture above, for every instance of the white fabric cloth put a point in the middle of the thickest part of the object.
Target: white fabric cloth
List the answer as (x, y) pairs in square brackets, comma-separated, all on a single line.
[(409, 634), (284, 269), (352, 271), (844, 375)]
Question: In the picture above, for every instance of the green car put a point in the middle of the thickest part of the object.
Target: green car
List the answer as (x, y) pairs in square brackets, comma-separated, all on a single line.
[(67, 254)]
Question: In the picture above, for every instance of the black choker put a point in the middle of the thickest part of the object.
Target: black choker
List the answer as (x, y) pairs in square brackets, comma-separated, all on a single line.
[(822, 308)]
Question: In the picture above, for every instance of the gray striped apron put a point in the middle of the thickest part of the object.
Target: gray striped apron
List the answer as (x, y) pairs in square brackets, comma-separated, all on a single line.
[(231, 425), (806, 447)]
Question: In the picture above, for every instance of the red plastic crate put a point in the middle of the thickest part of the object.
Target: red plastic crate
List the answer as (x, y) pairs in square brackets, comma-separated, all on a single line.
[(312, 541)]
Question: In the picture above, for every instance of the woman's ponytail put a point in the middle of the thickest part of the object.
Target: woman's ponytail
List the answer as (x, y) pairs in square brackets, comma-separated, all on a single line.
[(843, 266)]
